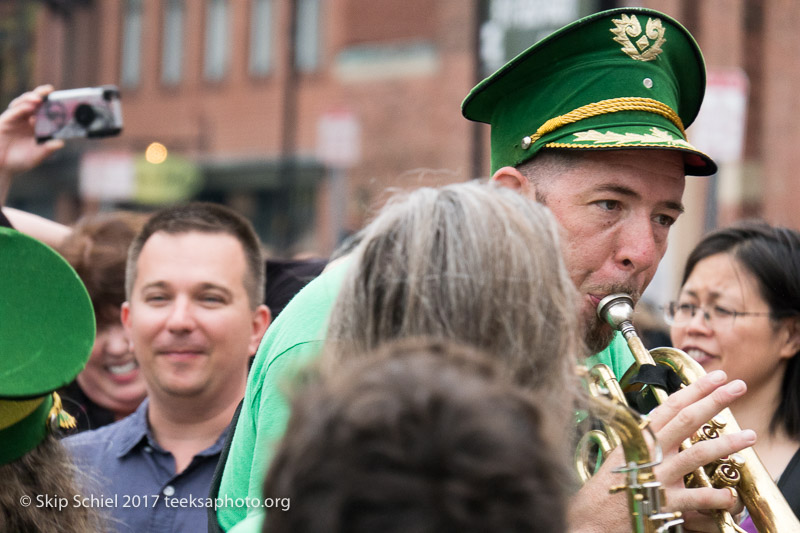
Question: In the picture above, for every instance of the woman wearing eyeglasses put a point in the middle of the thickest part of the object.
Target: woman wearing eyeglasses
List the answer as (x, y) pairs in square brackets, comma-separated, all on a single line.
[(739, 311)]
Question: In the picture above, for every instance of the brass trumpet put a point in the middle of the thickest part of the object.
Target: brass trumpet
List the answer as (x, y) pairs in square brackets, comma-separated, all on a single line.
[(763, 499)]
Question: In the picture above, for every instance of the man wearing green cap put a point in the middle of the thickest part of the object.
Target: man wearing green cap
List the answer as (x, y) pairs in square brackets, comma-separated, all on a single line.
[(590, 121)]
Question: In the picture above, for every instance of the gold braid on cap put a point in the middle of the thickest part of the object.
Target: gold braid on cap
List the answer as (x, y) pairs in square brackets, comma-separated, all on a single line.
[(604, 107)]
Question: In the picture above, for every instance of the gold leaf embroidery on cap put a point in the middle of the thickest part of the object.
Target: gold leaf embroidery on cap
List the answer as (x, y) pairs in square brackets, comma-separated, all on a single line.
[(647, 45), (656, 136)]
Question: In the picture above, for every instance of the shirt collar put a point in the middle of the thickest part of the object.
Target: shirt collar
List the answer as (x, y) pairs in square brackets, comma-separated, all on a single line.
[(135, 430), (137, 433)]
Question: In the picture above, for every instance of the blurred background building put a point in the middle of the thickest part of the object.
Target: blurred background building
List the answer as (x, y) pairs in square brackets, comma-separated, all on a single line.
[(301, 113)]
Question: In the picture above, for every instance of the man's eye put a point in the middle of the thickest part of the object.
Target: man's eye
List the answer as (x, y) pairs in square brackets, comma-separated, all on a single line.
[(212, 298), (155, 298), (664, 220), (608, 205)]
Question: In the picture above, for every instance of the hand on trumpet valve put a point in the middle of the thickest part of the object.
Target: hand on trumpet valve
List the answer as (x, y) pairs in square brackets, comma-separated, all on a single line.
[(672, 422)]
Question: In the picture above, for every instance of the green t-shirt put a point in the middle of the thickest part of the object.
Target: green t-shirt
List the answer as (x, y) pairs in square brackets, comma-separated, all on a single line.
[(617, 356), (292, 341), (252, 523)]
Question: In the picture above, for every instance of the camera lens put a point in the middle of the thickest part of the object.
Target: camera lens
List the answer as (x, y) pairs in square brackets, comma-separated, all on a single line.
[(84, 115)]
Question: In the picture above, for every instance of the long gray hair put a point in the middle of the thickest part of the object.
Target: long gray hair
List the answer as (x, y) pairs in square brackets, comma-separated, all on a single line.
[(470, 262)]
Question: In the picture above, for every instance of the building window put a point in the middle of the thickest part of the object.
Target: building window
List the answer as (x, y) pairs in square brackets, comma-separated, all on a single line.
[(216, 58), (172, 41), (261, 38), (307, 38), (131, 43)]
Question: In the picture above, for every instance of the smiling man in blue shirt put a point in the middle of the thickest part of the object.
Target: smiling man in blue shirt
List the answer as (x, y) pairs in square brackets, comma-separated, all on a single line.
[(195, 280)]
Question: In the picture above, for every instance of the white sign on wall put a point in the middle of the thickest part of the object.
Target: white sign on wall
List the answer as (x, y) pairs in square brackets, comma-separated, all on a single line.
[(107, 176), (339, 139), (720, 126)]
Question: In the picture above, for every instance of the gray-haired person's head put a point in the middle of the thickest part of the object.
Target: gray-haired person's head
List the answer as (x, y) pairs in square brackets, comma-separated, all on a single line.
[(470, 262)]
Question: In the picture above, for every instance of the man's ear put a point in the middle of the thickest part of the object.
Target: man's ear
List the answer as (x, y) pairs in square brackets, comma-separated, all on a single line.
[(509, 177), (262, 317), (513, 179)]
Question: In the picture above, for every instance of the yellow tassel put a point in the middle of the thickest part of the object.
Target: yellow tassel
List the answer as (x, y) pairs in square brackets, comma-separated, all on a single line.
[(59, 418)]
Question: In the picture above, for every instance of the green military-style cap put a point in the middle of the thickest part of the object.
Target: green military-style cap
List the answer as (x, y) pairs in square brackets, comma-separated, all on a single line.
[(625, 78), (47, 330)]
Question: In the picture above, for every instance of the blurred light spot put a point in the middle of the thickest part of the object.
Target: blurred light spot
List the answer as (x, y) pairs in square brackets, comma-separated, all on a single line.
[(156, 153)]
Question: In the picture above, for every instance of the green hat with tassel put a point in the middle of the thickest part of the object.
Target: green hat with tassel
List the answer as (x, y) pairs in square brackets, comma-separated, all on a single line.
[(47, 330)]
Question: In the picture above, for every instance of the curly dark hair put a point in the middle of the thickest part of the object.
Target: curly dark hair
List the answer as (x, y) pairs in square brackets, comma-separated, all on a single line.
[(424, 436)]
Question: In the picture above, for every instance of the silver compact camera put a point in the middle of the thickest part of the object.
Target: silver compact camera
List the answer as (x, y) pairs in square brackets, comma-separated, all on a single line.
[(89, 112)]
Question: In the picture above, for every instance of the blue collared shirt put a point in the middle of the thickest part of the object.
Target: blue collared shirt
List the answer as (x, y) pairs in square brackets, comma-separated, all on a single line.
[(133, 480)]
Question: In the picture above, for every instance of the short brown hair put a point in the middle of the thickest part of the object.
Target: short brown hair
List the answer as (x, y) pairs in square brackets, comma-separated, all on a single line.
[(422, 436), (205, 217)]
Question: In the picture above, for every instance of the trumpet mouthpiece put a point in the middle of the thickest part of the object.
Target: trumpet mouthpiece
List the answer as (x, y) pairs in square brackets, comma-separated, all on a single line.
[(616, 309)]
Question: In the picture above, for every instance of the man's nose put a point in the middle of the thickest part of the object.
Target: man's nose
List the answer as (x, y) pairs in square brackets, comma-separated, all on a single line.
[(637, 247), (181, 316)]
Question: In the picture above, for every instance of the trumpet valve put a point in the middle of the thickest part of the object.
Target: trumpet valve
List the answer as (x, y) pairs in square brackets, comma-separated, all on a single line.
[(710, 430), (728, 471), (725, 476)]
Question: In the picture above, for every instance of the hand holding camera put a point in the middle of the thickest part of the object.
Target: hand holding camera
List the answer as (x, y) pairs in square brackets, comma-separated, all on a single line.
[(36, 122), (18, 149)]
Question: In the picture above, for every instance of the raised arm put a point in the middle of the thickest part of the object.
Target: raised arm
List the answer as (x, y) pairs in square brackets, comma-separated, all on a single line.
[(20, 152), (18, 148), (43, 229)]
